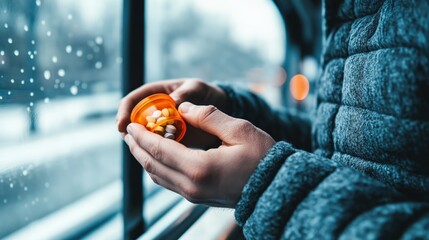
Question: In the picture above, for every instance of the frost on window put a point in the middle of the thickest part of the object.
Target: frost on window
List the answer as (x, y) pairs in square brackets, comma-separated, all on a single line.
[(59, 87)]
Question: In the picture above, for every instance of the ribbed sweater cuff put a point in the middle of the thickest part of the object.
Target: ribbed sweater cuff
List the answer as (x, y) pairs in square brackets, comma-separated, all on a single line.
[(260, 179)]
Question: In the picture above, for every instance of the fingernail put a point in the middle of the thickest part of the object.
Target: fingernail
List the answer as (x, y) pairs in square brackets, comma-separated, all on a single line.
[(185, 107), (130, 129)]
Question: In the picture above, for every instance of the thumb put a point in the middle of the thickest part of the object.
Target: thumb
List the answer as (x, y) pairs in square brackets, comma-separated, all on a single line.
[(208, 118)]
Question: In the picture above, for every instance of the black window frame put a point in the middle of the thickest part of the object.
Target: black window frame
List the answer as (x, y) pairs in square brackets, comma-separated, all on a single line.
[(133, 43)]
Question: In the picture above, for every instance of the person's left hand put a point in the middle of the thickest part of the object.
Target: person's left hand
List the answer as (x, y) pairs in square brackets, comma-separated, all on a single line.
[(216, 176)]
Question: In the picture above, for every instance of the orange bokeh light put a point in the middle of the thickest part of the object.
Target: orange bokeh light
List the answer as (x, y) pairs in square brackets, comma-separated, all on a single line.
[(299, 87)]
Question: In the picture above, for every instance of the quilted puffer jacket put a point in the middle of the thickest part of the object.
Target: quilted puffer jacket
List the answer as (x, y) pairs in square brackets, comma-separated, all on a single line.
[(360, 168)]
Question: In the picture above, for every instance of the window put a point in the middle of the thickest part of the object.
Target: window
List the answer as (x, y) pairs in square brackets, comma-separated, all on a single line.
[(60, 68), (232, 41), (60, 65)]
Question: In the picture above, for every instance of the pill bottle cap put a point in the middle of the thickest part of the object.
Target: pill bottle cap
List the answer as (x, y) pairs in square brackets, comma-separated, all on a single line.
[(158, 101)]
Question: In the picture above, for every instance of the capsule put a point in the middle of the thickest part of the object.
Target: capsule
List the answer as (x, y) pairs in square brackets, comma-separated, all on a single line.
[(150, 125), (156, 114), (170, 129), (169, 136), (159, 120), (150, 119), (159, 130), (165, 112)]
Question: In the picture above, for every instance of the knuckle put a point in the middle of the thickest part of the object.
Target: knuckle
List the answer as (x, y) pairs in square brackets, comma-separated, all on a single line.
[(198, 82), (192, 194), (201, 174), (156, 150), (241, 129), (246, 127), (123, 102), (133, 148), (198, 176), (120, 102), (206, 113), (154, 179), (182, 93), (148, 166)]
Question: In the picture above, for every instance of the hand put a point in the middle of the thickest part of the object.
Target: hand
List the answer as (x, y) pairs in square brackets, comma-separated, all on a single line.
[(181, 90), (216, 176)]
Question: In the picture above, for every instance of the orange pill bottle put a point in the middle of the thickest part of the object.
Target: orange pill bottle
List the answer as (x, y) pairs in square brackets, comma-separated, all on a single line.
[(159, 115)]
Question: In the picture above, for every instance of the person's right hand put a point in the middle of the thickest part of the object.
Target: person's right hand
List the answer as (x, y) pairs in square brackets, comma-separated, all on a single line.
[(181, 90), (215, 176)]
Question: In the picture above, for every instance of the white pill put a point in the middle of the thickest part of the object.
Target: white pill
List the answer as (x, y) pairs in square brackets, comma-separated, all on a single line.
[(169, 136), (156, 114), (170, 129)]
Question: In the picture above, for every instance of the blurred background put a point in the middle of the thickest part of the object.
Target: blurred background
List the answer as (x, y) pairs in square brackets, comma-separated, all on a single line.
[(60, 82)]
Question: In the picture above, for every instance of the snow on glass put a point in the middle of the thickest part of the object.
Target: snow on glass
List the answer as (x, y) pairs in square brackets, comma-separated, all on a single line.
[(48, 73), (98, 65), (74, 90), (99, 40), (79, 53), (61, 72), (69, 49)]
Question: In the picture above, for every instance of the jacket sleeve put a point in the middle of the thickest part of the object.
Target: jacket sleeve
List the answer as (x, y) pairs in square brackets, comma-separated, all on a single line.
[(281, 124), (298, 195)]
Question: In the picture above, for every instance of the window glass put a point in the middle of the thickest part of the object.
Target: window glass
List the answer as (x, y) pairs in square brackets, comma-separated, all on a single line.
[(240, 41), (60, 67)]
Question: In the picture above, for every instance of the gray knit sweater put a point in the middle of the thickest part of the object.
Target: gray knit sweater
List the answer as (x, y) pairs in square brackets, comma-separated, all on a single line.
[(367, 175)]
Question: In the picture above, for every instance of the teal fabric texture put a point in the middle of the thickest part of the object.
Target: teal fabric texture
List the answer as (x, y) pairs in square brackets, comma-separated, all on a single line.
[(360, 168)]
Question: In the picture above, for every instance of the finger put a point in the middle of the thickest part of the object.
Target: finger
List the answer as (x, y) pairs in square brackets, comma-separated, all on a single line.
[(168, 175), (166, 151), (211, 120), (186, 92), (127, 103), (159, 173), (164, 175), (167, 183)]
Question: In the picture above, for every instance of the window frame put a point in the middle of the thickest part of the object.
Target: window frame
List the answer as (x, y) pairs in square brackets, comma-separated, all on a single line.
[(133, 52)]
